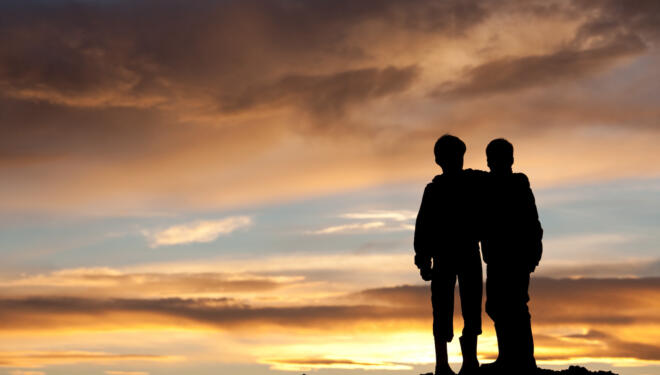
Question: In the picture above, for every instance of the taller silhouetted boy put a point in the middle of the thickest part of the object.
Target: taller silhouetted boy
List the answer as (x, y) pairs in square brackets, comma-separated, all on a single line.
[(446, 249), (511, 247)]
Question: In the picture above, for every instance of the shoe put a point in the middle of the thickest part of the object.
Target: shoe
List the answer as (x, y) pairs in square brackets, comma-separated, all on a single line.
[(493, 368), (503, 353), (444, 370), (469, 351)]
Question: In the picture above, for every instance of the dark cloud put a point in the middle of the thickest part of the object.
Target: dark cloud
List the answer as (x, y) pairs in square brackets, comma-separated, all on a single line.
[(604, 269), (46, 131), (102, 102), (102, 79), (406, 295), (594, 301), (606, 307), (607, 302), (642, 17), (596, 344), (148, 53), (512, 74), (222, 313), (324, 95), (612, 30), (598, 302), (138, 284)]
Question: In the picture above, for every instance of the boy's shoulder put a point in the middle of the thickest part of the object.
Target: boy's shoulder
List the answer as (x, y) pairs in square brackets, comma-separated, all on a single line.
[(521, 179), (436, 181)]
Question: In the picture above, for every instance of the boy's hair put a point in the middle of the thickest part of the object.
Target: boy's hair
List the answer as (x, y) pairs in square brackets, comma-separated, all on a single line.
[(500, 149), (448, 146)]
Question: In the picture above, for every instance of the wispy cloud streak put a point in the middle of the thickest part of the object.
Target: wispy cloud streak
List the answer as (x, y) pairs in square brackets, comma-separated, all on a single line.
[(199, 231), (379, 220)]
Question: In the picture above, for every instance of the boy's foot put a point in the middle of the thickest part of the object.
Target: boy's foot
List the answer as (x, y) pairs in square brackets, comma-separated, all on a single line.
[(492, 368), (469, 351), (469, 370), (444, 370)]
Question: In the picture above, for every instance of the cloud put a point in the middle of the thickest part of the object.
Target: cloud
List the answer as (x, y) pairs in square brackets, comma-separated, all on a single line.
[(45, 358), (220, 313), (595, 302), (113, 372), (603, 344), (99, 67), (23, 372), (302, 364), (356, 227), (518, 73), (325, 96), (199, 231), (604, 269), (384, 223), (569, 316), (118, 123), (399, 215), (109, 282)]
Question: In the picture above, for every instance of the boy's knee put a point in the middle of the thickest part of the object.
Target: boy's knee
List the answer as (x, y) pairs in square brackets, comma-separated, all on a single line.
[(443, 333), (472, 330)]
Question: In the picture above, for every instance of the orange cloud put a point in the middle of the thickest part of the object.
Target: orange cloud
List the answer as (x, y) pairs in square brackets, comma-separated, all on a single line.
[(132, 125), (297, 364), (570, 318), (114, 283), (43, 358)]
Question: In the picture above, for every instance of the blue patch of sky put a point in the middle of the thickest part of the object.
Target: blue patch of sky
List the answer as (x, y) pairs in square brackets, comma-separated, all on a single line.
[(628, 208)]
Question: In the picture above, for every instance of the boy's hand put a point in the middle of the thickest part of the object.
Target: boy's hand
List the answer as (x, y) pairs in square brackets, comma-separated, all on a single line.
[(422, 261), (426, 274)]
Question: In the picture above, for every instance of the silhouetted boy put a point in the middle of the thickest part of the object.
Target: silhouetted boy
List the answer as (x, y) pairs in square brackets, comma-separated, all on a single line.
[(511, 247), (446, 248)]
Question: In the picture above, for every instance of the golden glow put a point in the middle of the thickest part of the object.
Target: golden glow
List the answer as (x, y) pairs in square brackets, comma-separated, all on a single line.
[(380, 328)]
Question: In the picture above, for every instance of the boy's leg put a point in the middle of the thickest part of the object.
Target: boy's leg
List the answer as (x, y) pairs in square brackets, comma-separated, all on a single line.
[(497, 288), (507, 297), (523, 339), (442, 300), (470, 281)]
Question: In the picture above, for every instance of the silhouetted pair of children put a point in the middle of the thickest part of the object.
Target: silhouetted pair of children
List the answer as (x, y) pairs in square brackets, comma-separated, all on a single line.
[(460, 208)]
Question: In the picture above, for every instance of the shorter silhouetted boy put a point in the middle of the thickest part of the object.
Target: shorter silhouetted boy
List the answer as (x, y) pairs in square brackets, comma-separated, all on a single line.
[(511, 247), (446, 249)]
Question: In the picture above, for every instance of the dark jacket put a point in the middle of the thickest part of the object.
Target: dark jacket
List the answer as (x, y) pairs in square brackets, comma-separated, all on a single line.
[(512, 233), (445, 229)]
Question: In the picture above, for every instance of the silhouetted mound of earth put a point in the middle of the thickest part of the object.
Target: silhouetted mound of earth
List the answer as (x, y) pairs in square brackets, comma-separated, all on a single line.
[(572, 370)]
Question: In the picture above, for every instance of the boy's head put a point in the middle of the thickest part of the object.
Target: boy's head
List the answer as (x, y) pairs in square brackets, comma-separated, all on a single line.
[(449, 152), (499, 153)]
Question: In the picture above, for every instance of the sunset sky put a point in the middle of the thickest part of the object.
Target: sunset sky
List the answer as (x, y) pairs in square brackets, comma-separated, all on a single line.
[(230, 187)]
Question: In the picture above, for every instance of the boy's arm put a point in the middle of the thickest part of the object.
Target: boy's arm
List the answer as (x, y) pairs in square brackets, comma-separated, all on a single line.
[(477, 186), (423, 233), (535, 229)]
